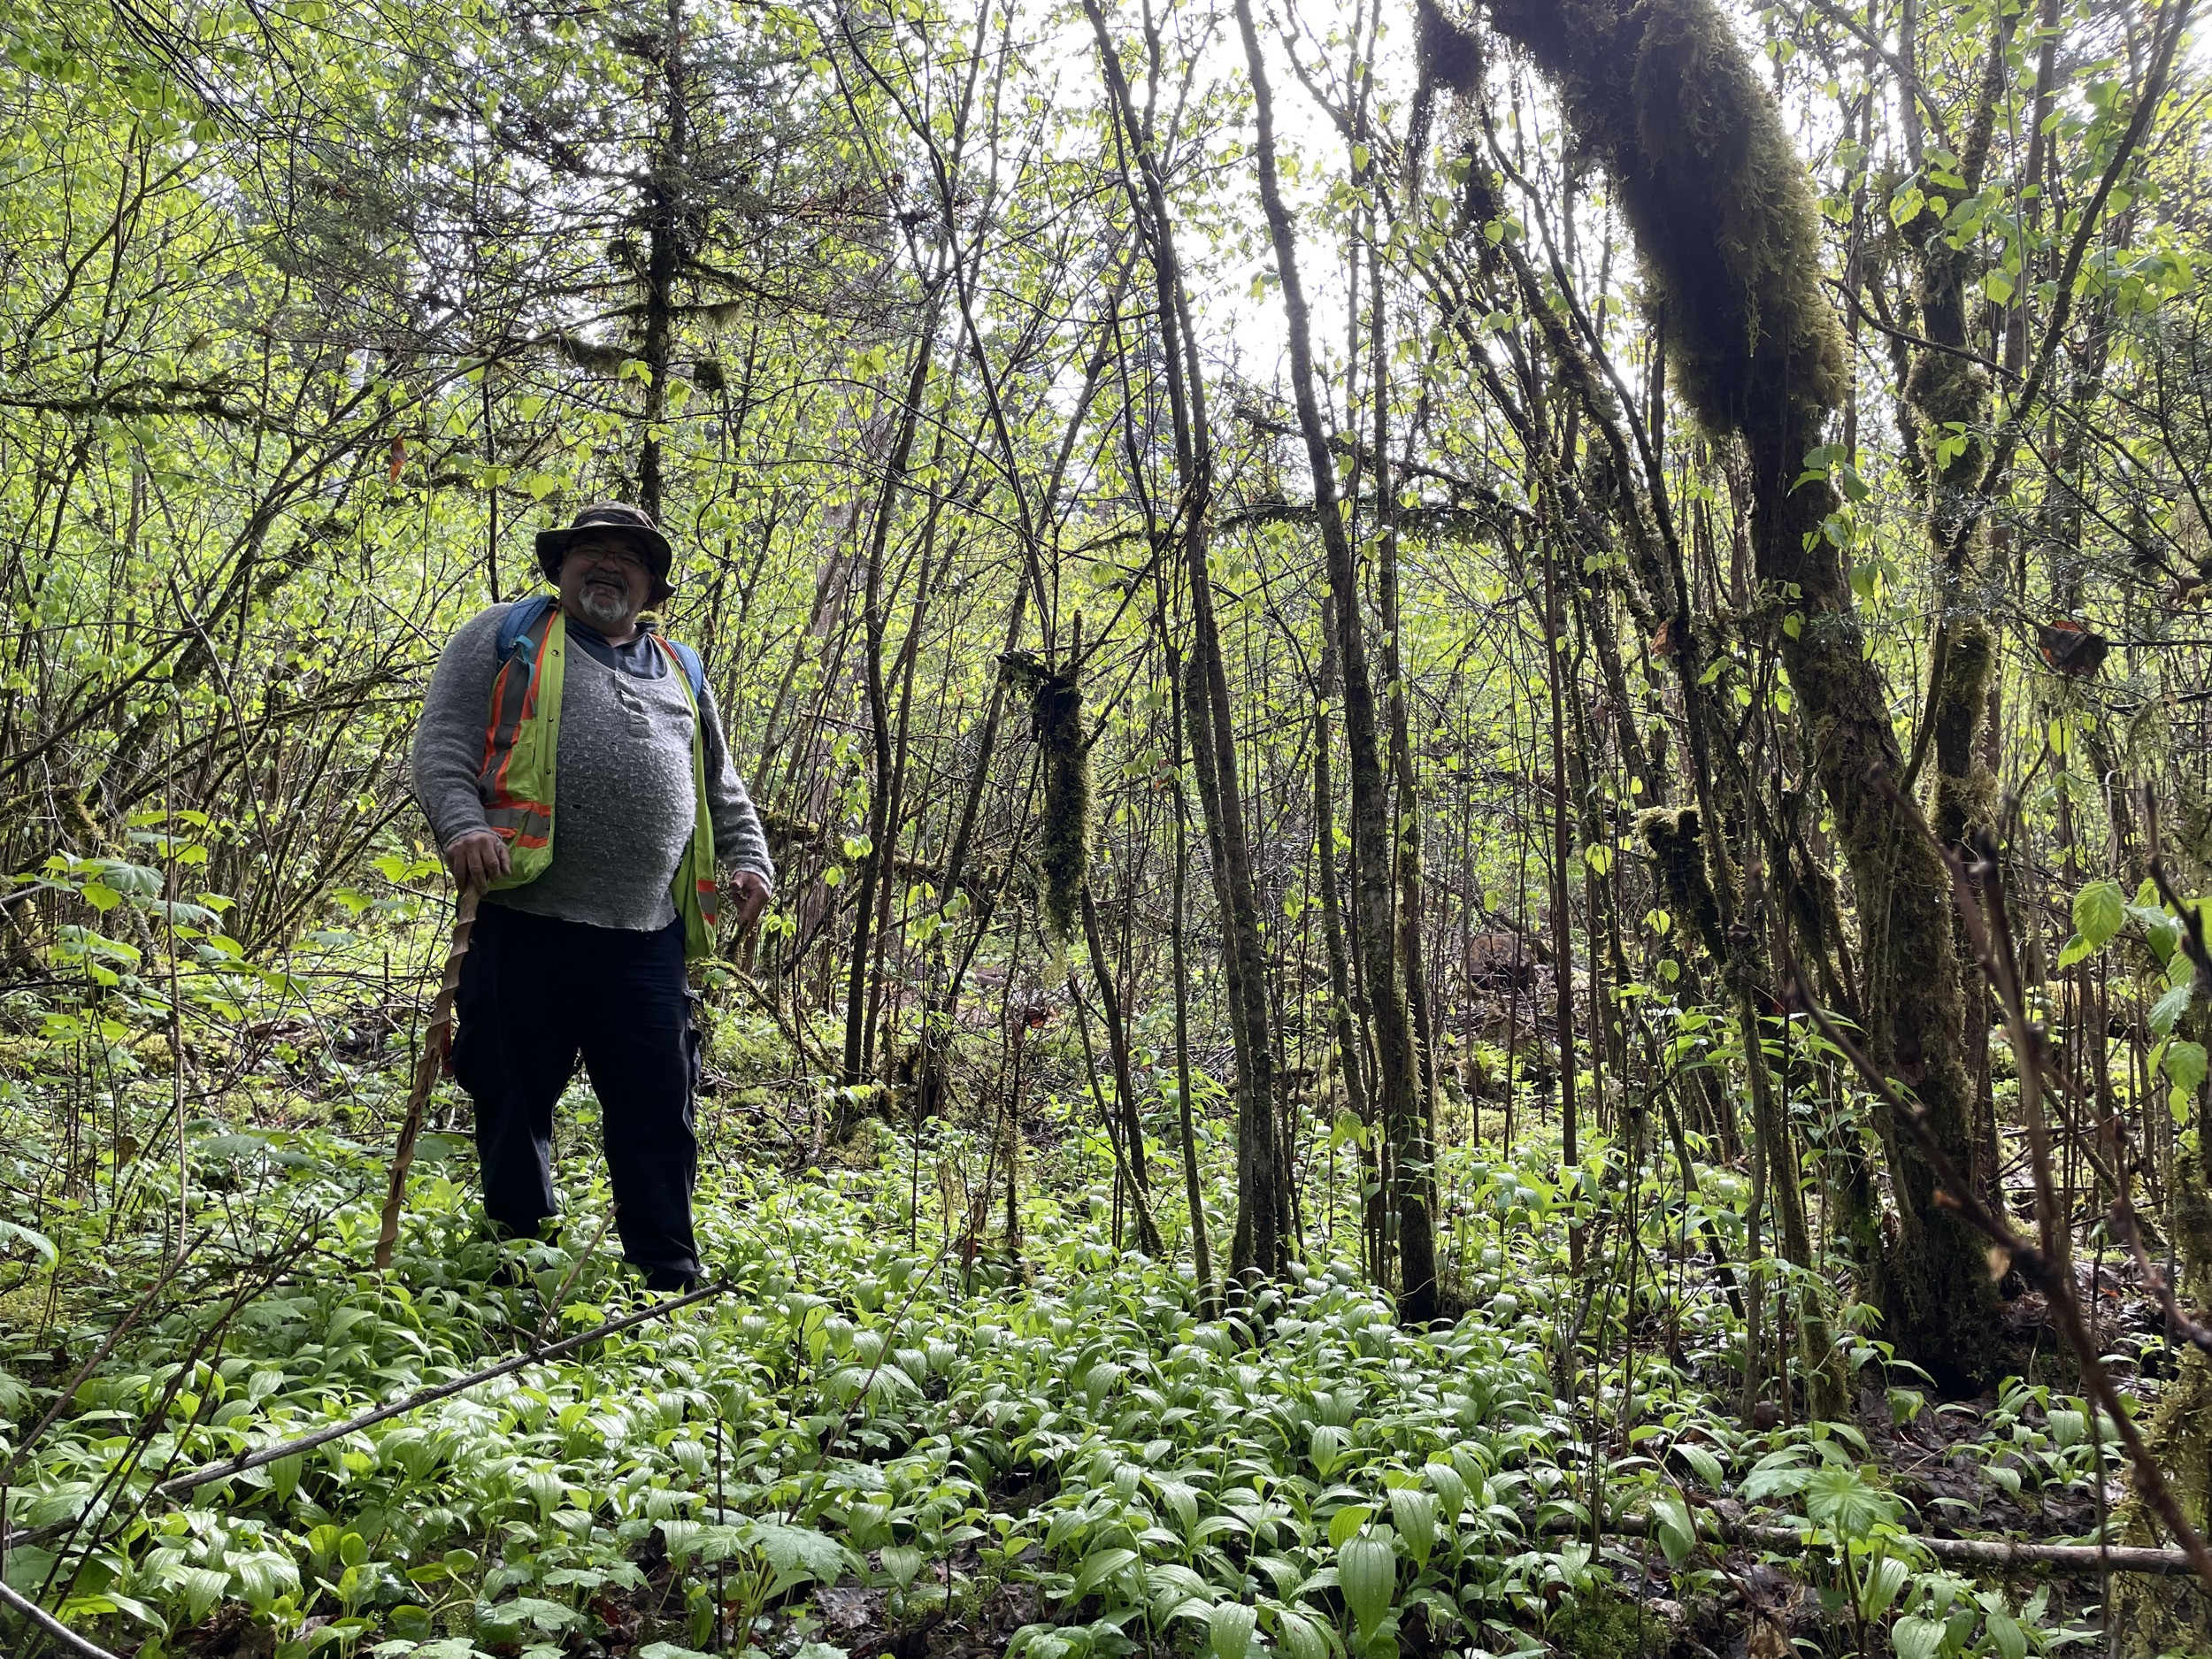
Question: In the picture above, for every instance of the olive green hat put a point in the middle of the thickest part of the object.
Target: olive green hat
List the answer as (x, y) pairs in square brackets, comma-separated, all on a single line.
[(599, 519)]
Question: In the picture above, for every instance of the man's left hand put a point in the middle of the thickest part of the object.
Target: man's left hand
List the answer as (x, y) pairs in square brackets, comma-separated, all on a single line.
[(751, 894)]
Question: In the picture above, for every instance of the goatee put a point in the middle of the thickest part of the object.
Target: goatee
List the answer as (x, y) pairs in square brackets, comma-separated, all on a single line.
[(603, 606)]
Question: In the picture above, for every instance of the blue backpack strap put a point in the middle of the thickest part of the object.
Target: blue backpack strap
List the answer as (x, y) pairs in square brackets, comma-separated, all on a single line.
[(695, 670), (520, 617)]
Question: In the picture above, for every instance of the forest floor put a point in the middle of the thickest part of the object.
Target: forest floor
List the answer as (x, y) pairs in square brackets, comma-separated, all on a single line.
[(891, 1434)]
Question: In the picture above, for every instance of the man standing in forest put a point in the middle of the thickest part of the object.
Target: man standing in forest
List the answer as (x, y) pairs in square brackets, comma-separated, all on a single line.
[(582, 939)]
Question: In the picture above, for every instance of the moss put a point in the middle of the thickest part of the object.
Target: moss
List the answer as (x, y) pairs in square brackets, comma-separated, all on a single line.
[(1672, 838), (1453, 59), (1604, 1624), (2156, 1615), (1064, 837), (1968, 666), (1966, 795), (1948, 390), (1724, 216)]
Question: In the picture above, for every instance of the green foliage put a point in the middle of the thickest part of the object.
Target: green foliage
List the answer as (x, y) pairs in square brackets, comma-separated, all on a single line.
[(1604, 1625), (308, 322)]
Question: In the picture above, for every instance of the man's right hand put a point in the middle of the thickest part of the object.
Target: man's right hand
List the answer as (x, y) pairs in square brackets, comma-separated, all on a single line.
[(477, 859)]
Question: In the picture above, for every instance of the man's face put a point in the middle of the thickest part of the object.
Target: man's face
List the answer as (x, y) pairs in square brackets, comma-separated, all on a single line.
[(606, 580)]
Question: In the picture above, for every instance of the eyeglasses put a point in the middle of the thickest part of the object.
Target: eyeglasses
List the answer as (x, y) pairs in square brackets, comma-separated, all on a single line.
[(617, 552)]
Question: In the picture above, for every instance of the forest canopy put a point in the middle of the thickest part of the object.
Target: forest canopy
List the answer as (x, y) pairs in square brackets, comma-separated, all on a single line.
[(1484, 731)]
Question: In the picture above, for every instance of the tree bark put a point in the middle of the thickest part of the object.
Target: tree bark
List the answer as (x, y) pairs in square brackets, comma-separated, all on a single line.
[(1728, 232), (1261, 1246), (1404, 1124)]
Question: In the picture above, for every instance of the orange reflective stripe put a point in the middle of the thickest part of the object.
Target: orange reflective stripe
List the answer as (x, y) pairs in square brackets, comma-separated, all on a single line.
[(514, 699), (529, 823)]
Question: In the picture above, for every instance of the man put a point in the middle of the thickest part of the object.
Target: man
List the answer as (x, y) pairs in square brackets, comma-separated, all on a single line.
[(572, 767)]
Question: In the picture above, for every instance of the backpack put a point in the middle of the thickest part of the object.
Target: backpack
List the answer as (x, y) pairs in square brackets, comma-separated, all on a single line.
[(524, 614)]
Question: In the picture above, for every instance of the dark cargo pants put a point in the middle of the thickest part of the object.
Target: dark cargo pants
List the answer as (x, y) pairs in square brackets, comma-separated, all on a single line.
[(536, 992)]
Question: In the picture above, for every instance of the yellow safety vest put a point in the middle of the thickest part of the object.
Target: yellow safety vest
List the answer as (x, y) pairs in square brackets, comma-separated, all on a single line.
[(522, 745)]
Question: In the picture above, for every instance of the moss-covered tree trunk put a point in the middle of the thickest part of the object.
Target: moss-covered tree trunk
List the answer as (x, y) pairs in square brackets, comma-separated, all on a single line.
[(2153, 1616), (1724, 218)]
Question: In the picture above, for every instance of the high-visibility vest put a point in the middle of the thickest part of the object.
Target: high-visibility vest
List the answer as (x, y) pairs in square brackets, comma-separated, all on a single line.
[(522, 746)]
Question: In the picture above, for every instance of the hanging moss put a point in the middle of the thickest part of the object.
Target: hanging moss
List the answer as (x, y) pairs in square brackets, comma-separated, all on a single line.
[(1453, 58), (1063, 839), (1678, 854)]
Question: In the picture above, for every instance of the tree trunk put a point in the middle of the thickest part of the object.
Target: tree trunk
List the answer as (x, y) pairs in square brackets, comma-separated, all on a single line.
[(1342, 1025), (1728, 233), (664, 238), (871, 865), (1404, 1122), (1261, 1248), (1201, 1252), (1414, 1138)]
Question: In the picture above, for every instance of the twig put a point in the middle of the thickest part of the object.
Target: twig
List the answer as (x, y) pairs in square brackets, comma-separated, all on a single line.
[(553, 1307), (208, 1472), (52, 1626)]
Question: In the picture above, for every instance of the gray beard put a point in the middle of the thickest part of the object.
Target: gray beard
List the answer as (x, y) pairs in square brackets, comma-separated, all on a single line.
[(605, 608)]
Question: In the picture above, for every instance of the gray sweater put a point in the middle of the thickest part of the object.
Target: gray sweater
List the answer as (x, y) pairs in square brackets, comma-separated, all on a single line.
[(622, 797)]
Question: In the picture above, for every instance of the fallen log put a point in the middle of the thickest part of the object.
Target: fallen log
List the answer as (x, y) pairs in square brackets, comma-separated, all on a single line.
[(1988, 1554)]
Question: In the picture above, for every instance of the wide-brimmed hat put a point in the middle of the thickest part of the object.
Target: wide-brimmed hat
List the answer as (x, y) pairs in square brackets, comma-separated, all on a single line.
[(599, 519)]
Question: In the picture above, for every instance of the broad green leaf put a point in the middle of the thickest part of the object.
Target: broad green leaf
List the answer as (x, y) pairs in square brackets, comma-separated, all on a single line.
[(1839, 1497), (1346, 1522), (1367, 1571), (1451, 1490), (1676, 1531), (1702, 1464), (1229, 1629), (799, 1554), (2099, 910), (1413, 1511), (1300, 1637), (1098, 1566), (2185, 1065), (1885, 1578), (2169, 1008), (37, 1243)]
